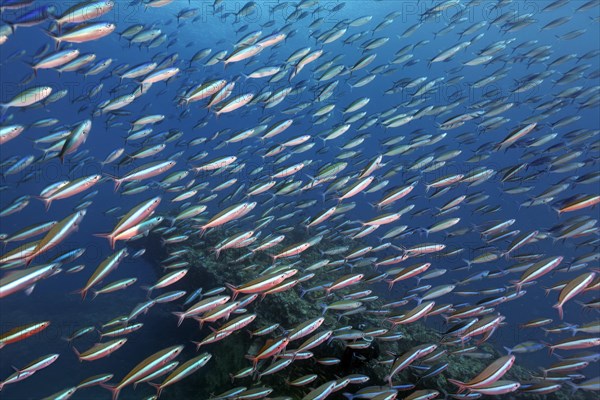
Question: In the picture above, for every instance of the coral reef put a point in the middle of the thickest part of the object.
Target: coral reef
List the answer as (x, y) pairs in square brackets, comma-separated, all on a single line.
[(290, 309)]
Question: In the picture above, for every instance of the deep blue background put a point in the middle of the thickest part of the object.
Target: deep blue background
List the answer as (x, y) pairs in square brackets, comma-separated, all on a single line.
[(53, 299)]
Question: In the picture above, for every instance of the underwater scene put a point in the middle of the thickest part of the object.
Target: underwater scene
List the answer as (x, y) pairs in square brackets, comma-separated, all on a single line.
[(304, 199)]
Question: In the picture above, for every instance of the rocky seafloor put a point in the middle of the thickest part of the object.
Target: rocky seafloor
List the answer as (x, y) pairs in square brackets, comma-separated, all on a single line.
[(290, 309)]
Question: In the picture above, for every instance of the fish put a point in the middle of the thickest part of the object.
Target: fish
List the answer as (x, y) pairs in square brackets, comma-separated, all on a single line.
[(57, 234), (282, 171), (84, 32), (488, 376), (184, 370), (70, 189), (22, 332), (105, 267), (26, 279), (100, 350), (538, 269), (572, 289), (27, 98), (145, 367), (262, 283), (145, 171)]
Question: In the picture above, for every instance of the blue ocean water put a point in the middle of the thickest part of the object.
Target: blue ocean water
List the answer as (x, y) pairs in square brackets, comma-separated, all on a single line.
[(54, 299)]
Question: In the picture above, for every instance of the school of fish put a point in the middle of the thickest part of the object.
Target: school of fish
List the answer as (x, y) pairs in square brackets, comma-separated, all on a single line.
[(318, 172)]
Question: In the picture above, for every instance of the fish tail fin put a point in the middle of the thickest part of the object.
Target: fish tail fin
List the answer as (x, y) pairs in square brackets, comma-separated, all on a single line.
[(116, 179), (390, 283), (251, 358), (518, 285), (108, 236), (53, 37), (573, 386), (557, 211), (32, 66), (115, 390), (29, 259), (461, 385), (508, 350), (256, 375), (77, 353), (572, 328), (149, 290), (157, 387), (234, 290), (446, 318), (560, 310), (180, 317), (347, 395), (82, 292), (302, 292), (324, 307), (198, 345), (47, 202)]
